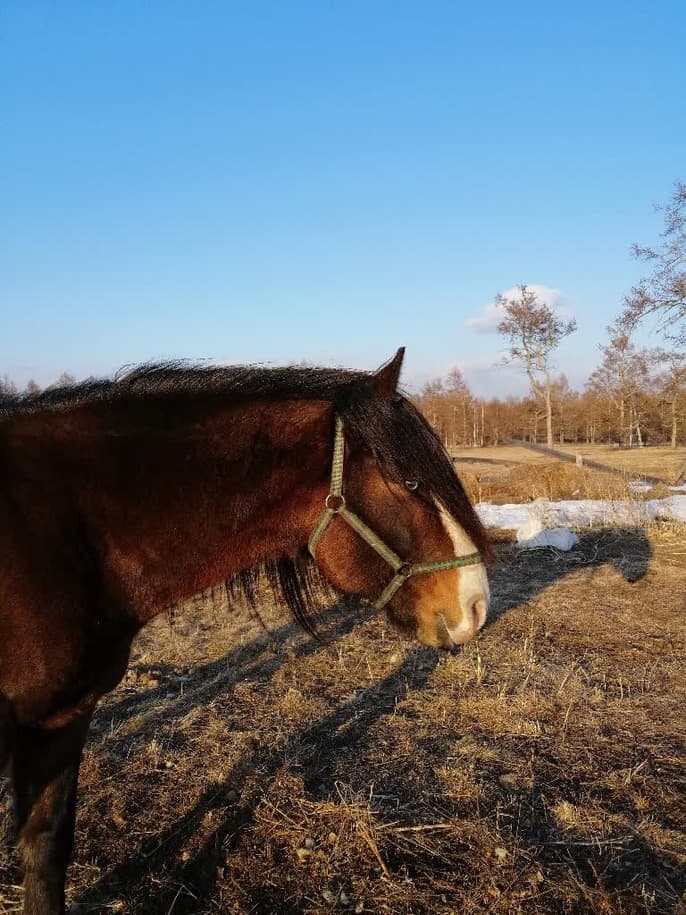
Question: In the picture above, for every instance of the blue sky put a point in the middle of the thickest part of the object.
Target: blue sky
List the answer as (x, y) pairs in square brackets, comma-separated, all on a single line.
[(275, 182)]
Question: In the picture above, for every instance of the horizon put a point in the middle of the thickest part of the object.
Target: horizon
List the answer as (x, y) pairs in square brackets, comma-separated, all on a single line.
[(273, 185)]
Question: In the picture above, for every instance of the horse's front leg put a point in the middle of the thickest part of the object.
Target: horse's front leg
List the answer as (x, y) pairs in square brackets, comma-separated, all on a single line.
[(45, 773)]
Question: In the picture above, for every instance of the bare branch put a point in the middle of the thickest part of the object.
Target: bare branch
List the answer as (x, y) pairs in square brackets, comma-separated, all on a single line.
[(663, 290)]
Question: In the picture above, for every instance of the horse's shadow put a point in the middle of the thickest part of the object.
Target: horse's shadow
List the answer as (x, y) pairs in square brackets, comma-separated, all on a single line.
[(320, 747), (524, 574)]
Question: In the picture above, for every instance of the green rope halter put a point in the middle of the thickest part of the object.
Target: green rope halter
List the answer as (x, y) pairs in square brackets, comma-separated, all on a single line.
[(335, 505)]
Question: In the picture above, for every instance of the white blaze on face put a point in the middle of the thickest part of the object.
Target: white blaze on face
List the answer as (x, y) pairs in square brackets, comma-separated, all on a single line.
[(473, 592)]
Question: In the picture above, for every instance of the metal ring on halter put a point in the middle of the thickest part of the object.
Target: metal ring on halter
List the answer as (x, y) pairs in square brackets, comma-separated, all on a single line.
[(405, 570), (340, 504)]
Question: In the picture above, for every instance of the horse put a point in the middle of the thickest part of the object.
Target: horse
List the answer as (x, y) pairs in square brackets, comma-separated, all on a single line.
[(121, 498)]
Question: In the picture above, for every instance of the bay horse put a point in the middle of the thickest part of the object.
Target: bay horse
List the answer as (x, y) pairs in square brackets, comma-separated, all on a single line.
[(121, 498)]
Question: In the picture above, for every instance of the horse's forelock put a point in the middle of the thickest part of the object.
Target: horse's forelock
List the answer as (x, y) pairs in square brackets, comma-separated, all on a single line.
[(407, 448)]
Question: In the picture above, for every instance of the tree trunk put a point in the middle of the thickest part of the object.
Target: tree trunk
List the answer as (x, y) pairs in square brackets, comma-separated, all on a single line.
[(622, 435), (638, 432)]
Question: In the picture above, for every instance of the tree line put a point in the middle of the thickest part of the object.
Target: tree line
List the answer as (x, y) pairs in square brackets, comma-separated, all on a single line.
[(633, 397)]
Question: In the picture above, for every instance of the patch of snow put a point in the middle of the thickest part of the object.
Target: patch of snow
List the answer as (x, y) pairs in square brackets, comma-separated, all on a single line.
[(560, 538), (535, 533), (677, 507), (639, 486), (533, 518), (506, 517), (532, 527)]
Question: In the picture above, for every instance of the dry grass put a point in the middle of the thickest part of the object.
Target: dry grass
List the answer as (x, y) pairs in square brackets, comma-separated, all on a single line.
[(514, 474), (548, 480), (495, 461), (653, 461), (540, 770)]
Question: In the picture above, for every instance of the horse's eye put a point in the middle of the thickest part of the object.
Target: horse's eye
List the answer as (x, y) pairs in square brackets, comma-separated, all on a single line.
[(412, 485)]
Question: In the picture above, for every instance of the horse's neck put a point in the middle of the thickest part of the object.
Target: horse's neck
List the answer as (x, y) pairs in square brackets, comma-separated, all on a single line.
[(208, 500)]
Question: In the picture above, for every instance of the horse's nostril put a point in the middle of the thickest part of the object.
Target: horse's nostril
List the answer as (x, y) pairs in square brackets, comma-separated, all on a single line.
[(478, 613)]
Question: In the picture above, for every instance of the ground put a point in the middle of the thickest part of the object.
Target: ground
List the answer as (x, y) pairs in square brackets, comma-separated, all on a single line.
[(538, 770), (655, 460), (512, 473), (659, 461)]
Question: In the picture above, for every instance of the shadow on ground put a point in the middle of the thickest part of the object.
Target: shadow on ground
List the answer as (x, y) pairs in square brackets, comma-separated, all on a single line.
[(409, 790), (321, 752)]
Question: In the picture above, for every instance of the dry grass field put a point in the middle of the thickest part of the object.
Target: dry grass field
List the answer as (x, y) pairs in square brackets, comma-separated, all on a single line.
[(496, 461), (655, 461), (511, 473), (539, 770)]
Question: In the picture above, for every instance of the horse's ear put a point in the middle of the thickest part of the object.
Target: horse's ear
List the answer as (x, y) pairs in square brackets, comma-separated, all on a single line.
[(386, 379)]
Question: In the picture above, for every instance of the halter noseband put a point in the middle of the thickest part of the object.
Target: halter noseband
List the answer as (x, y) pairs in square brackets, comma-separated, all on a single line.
[(335, 505)]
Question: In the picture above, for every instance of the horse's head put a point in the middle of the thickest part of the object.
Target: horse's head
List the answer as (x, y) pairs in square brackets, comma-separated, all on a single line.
[(397, 526)]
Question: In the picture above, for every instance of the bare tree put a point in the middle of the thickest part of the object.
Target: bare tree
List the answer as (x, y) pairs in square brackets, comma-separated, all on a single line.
[(431, 401), (445, 403), (534, 332), (459, 395), (663, 291), (671, 385), (32, 387), (7, 387), (562, 395), (621, 376)]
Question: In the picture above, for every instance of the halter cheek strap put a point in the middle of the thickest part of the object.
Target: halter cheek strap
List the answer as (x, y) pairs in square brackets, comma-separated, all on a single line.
[(335, 505)]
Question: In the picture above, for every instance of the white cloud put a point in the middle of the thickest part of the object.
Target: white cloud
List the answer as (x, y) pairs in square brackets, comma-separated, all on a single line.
[(492, 314)]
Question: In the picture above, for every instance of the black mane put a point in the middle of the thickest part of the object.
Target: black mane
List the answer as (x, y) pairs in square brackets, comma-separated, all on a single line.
[(401, 440), (235, 384)]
